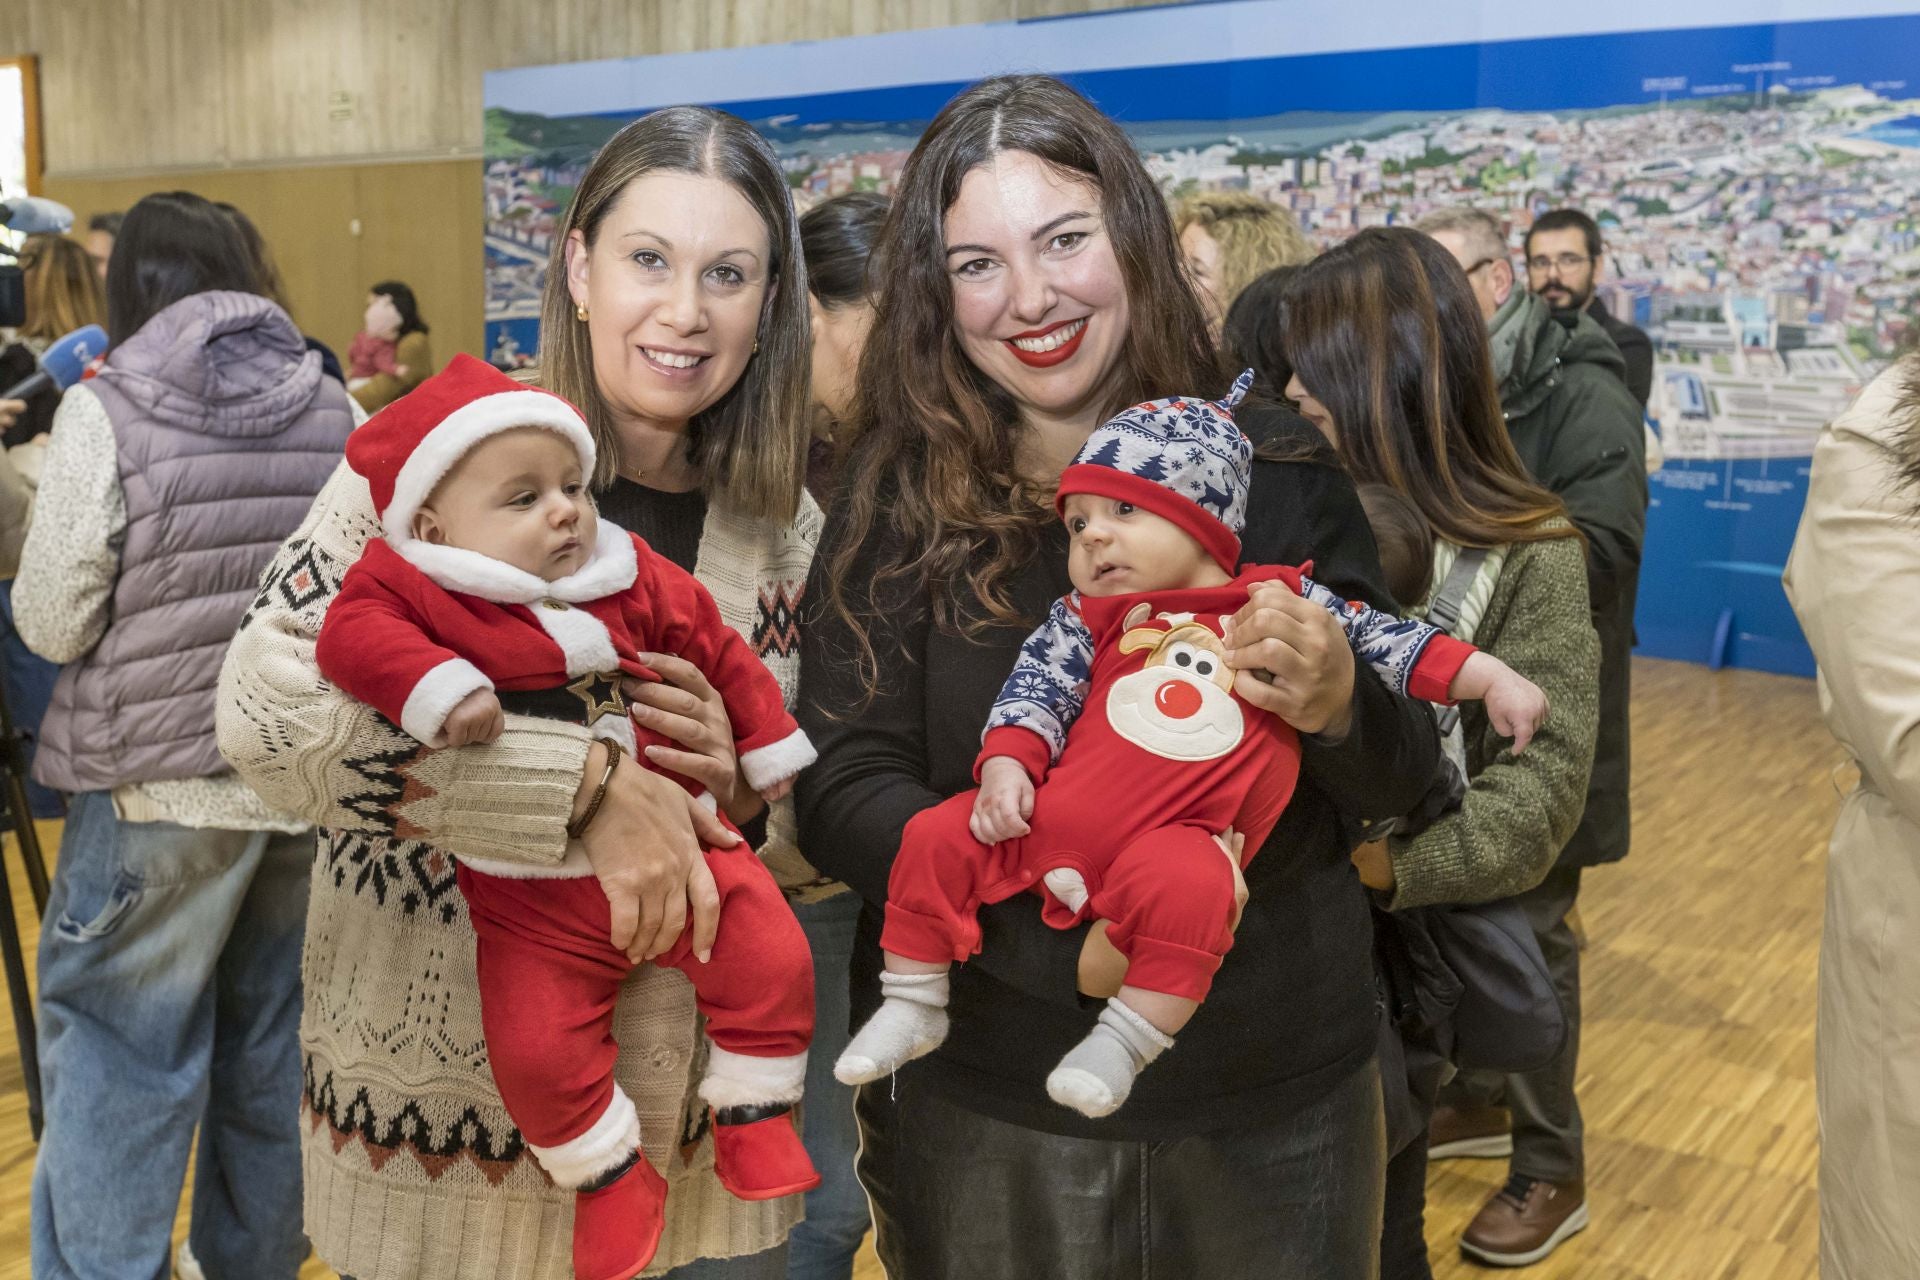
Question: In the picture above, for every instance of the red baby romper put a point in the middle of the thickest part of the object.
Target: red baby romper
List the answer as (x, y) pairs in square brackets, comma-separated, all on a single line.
[(1162, 758)]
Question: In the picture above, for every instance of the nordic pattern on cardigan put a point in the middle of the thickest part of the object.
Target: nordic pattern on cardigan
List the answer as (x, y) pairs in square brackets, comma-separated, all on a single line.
[(1048, 688), (409, 875), (776, 623), (299, 580), (469, 1136)]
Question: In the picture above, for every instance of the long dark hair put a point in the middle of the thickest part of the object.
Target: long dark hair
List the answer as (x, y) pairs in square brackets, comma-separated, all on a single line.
[(750, 446), (934, 463), (1254, 336), (401, 296), (837, 237), (267, 279), (172, 245), (1385, 332)]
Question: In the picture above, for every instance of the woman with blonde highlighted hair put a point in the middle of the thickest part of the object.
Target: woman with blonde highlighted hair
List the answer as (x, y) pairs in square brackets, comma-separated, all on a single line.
[(1228, 239)]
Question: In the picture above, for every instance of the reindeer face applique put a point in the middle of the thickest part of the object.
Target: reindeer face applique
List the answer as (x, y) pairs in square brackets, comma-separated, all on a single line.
[(1180, 706)]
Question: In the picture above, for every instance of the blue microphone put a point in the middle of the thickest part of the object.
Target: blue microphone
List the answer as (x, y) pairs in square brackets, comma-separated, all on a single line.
[(30, 215), (62, 364)]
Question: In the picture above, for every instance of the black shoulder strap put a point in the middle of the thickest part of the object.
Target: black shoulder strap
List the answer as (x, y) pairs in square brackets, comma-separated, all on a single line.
[(1444, 612)]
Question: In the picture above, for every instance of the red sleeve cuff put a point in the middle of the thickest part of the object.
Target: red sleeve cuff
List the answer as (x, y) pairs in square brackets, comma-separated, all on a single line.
[(1439, 663), (1023, 745)]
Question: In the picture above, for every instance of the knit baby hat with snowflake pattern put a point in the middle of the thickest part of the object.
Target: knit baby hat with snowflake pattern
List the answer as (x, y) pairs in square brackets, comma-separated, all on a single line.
[(1183, 460)]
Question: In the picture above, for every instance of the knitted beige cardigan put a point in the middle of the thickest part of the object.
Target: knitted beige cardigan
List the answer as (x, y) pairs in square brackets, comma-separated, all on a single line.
[(413, 1170)]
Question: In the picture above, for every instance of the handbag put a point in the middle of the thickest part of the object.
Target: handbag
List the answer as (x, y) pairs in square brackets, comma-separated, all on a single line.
[(1462, 986)]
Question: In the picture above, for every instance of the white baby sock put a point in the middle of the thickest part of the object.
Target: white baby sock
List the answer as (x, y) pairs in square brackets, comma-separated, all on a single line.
[(1097, 1074), (910, 1023)]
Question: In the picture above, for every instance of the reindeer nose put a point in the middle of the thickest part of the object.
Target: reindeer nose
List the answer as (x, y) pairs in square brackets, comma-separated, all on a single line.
[(1177, 699)]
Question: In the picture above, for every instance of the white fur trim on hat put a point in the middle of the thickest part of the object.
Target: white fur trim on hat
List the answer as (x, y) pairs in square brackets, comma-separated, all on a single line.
[(436, 695), (778, 761), (613, 567), (611, 1139), (736, 1080), (467, 426)]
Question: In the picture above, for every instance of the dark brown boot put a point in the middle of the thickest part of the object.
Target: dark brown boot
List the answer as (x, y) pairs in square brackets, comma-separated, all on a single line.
[(1477, 1133), (1525, 1221)]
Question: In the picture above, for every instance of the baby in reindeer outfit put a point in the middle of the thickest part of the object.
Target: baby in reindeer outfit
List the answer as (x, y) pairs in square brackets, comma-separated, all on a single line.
[(498, 589), (1119, 757)]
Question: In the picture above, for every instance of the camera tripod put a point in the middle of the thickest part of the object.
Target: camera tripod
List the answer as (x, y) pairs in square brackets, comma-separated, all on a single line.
[(13, 796)]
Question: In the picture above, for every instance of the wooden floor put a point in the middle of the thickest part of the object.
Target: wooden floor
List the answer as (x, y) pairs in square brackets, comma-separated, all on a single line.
[(1697, 1063)]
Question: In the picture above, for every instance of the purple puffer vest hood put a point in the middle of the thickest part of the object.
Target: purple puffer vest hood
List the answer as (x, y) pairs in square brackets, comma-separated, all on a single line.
[(225, 430)]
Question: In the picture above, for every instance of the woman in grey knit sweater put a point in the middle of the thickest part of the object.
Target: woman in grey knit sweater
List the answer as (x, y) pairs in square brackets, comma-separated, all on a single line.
[(1363, 323)]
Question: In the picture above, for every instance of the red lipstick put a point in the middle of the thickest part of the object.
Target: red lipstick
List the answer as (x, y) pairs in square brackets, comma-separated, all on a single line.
[(1059, 355)]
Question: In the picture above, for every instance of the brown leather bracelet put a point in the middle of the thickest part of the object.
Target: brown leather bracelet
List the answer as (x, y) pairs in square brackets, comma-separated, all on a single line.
[(578, 825)]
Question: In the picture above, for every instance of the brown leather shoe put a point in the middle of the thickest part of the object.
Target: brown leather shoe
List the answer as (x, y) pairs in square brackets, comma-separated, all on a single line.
[(1477, 1133), (1525, 1221)]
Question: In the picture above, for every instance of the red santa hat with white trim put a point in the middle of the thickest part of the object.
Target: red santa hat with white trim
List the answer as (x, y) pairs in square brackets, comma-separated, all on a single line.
[(408, 448)]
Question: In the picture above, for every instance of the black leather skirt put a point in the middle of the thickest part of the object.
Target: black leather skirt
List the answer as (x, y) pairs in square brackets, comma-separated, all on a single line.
[(960, 1196)]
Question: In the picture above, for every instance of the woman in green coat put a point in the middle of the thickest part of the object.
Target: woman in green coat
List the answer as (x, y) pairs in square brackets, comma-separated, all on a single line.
[(1391, 362)]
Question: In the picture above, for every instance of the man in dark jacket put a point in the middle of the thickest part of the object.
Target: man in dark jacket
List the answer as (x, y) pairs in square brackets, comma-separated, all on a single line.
[(1579, 432), (1564, 262)]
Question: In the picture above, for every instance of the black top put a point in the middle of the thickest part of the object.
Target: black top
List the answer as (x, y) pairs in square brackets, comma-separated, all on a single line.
[(17, 364), (329, 362), (1292, 1010), (1635, 348), (670, 523)]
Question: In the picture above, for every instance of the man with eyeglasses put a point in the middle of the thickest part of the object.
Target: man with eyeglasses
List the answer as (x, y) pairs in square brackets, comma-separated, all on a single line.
[(1564, 263), (1579, 433)]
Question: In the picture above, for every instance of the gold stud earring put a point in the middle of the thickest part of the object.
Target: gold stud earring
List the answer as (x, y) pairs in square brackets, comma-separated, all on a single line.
[(580, 313), (756, 346)]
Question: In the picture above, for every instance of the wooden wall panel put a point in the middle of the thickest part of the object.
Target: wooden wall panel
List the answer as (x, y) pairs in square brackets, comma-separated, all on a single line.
[(232, 99), (134, 86), (418, 222)]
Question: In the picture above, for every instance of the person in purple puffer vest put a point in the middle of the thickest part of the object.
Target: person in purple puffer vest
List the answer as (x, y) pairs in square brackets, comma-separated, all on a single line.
[(170, 954)]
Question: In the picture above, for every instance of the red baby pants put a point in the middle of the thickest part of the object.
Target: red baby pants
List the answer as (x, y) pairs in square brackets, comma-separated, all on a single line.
[(1168, 892), (549, 978)]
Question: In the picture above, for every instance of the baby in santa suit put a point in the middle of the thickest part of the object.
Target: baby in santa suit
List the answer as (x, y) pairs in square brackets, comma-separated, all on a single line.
[(497, 588), (1119, 760)]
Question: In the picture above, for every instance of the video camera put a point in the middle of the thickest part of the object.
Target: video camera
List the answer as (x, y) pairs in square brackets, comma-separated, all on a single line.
[(28, 215)]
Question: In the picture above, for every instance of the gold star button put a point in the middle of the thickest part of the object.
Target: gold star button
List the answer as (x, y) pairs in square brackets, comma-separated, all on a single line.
[(600, 691)]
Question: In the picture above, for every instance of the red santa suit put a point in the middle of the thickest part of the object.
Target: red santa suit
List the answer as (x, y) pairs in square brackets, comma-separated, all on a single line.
[(416, 628)]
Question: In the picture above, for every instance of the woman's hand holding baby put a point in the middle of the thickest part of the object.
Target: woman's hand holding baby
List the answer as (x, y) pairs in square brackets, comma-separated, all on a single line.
[(644, 844), (684, 706), (1292, 659), (1515, 705), (1005, 801), (475, 718)]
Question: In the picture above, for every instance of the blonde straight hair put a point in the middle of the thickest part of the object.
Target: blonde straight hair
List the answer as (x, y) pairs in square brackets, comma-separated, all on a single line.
[(750, 445)]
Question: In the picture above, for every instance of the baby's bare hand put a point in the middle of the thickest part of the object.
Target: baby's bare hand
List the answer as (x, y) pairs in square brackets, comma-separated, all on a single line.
[(1005, 802), (777, 791), (475, 718), (1516, 708)]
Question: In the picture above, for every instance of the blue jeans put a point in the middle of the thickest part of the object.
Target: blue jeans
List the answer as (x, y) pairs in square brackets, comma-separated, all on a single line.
[(770, 1264), (822, 1247), (170, 997), (29, 687)]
